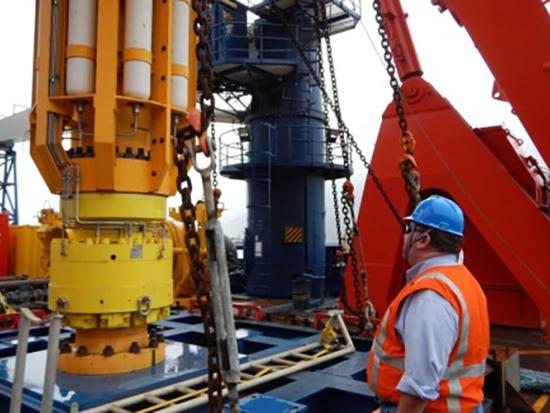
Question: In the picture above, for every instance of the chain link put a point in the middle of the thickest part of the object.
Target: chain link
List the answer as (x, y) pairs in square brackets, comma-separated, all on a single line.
[(182, 159), (344, 134), (407, 163), (352, 142), (328, 134), (214, 149), (204, 55), (347, 196), (200, 279)]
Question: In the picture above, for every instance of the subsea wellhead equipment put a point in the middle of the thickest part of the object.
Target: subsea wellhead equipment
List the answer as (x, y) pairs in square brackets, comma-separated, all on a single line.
[(112, 80)]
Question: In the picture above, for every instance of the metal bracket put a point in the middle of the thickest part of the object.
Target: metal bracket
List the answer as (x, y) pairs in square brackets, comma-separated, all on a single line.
[(144, 305), (62, 305)]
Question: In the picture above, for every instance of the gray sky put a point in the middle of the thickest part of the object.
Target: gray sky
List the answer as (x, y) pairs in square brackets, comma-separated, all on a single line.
[(449, 59)]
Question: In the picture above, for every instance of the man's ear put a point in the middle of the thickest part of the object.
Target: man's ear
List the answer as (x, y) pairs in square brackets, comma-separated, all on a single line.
[(424, 240)]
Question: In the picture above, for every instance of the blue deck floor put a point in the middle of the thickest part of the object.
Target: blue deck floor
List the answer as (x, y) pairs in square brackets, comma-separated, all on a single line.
[(339, 385)]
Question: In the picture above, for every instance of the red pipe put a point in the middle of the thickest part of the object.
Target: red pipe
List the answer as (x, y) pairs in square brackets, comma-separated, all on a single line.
[(399, 36)]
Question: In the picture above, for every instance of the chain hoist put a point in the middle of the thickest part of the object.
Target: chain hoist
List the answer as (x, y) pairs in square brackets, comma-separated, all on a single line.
[(352, 143), (328, 134), (185, 137), (407, 163), (347, 197)]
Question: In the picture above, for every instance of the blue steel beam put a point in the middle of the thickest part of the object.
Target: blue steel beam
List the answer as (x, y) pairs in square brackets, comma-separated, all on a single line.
[(8, 186)]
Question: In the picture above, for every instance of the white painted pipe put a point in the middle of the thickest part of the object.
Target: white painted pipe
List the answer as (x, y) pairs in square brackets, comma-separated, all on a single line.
[(81, 42), (25, 319), (180, 54), (51, 364), (138, 36)]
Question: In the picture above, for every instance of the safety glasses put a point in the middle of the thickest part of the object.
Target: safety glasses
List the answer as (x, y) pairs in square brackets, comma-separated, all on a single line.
[(408, 227)]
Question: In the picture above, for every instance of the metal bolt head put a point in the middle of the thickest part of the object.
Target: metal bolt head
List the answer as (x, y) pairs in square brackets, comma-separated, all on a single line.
[(108, 351), (135, 347), (64, 347), (82, 351)]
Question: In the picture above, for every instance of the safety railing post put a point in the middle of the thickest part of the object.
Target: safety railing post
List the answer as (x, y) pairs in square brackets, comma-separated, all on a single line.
[(26, 318), (51, 364)]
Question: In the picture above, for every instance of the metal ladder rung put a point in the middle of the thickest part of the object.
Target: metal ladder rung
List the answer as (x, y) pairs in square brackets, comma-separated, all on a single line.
[(260, 366), (116, 409), (184, 389), (284, 361), (303, 356), (246, 376), (153, 399), (272, 367)]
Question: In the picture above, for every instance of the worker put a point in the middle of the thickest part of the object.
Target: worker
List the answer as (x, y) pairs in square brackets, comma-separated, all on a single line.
[(429, 351)]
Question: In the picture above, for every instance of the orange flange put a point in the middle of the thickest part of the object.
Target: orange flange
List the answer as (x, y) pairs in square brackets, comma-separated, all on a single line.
[(100, 351)]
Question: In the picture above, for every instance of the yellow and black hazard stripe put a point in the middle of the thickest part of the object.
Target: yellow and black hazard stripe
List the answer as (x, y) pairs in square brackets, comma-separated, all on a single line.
[(294, 235)]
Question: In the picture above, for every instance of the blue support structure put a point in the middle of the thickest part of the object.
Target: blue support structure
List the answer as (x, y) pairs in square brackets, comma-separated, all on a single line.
[(284, 162), (8, 185)]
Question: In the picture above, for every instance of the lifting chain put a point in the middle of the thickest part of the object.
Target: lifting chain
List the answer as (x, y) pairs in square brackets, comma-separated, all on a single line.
[(348, 197), (204, 56), (407, 163), (184, 138), (352, 142), (214, 147), (328, 135), (200, 276)]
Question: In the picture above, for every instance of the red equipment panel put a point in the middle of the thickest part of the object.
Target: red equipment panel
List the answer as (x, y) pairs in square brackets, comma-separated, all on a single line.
[(500, 190), (4, 244), (513, 37), (507, 235)]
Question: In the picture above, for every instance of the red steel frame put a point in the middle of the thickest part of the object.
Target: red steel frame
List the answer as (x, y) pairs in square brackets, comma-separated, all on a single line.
[(507, 235)]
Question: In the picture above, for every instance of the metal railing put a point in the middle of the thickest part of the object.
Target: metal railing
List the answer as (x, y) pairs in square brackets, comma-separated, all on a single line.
[(255, 41), (28, 318), (234, 150)]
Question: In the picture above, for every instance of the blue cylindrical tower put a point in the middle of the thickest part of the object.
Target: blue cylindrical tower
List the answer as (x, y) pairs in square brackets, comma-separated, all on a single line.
[(285, 164)]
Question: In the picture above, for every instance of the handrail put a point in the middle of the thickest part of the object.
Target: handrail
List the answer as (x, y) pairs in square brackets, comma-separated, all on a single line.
[(256, 41), (233, 151)]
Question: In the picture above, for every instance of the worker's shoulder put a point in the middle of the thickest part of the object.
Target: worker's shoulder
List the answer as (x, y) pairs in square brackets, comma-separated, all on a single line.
[(426, 299)]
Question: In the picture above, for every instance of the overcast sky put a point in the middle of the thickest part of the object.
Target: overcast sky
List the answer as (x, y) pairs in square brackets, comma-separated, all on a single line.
[(449, 59)]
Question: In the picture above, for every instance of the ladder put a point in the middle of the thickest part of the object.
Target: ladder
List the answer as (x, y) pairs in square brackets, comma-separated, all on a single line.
[(193, 392), (262, 177)]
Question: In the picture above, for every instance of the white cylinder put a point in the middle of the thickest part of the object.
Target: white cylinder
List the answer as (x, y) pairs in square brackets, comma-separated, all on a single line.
[(180, 53), (138, 38), (81, 40), (179, 91)]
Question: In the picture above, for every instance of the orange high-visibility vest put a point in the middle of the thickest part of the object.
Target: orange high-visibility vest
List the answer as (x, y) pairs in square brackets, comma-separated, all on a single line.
[(461, 388)]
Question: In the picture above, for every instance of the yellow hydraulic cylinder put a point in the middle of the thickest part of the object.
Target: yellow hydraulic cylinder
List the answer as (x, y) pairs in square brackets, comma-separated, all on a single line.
[(113, 79)]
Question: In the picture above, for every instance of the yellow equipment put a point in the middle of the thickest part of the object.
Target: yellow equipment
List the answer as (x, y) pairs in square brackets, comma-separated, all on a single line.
[(184, 286), (113, 79), (25, 252)]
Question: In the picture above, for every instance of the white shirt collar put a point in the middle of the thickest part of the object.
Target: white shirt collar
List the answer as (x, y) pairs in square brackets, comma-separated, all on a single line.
[(438, 261)]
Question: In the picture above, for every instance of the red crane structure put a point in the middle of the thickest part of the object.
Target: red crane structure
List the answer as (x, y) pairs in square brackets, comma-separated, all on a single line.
[(504, 193)]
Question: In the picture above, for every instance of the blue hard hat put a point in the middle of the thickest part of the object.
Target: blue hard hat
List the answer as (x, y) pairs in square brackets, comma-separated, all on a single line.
[(440, 213)]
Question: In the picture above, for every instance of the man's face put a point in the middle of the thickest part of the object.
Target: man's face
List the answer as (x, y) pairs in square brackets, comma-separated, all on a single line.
[(408, 230), (415, 241)]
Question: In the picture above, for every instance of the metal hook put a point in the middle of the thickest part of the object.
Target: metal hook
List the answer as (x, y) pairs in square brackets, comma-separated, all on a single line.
[(210, 167)]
